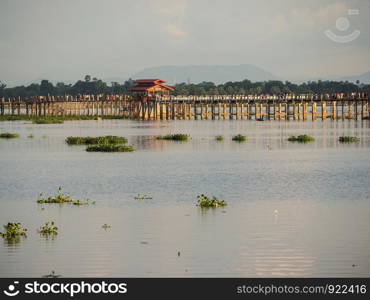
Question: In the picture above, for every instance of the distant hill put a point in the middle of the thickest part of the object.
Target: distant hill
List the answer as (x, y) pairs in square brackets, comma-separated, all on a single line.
[(363, 78), (214, 73)]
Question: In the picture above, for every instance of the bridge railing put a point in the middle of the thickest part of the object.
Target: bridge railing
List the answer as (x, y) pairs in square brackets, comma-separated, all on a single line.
[(266, 97), (176, 98)]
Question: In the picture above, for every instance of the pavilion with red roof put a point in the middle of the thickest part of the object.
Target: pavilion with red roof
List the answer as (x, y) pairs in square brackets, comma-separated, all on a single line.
[(150, 87)]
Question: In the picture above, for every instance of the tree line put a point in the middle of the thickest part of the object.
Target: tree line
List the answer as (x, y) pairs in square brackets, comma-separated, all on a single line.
[(96, 86)]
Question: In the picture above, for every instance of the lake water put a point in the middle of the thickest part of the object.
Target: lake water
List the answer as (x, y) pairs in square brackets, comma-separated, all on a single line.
[(294, 209)]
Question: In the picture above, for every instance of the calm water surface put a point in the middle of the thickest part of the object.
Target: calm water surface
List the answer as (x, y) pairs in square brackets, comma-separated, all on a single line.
[(294, 209)]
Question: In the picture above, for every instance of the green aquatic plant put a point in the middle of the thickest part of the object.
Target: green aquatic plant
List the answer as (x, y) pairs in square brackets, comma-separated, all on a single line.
[(61, 198), (48, 229), (110, 148), (13, 230), (348, 139), (174, 137), (301, 138), (204, 201), (219, 138), (106, 226), (143, 197), (51, 275), (239, 138), (8, 135), (100, 140), (31, 136)]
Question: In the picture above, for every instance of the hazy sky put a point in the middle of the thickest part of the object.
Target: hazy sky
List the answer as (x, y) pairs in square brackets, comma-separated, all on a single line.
[(66, 39)]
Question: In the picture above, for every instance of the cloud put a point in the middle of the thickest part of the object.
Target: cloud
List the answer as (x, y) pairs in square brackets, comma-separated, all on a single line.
[(175, 31), (302, 20), (174, 8), (171, 13)]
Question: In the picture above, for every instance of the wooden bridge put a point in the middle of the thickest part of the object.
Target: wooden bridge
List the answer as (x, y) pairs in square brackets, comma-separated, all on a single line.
[(221, 107)]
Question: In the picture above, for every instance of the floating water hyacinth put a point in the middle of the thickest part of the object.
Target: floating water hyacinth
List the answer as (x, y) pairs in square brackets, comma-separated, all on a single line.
[(301, 138), (239, 138), (48, 229), (99, 140), (106, 226), (348, 139), (13, 230), (143, 197), (174, 137), (61, 198), (204, 201), (8, 135)]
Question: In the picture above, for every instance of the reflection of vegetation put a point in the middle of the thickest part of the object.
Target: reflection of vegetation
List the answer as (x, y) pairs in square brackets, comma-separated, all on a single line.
[(13, 230), (8, 135), (84, 202), (348, 139), (174, 137), (301, 138), (204, 201), (143, 197), (51, 275), (110, 148), (55, 119), (239, 138), (219, 138), (100, 140), (61, 198), (48, 229)]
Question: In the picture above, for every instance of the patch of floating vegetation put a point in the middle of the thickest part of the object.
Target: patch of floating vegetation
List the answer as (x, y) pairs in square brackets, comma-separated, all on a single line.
[(48, 229), (106, 226), (62, 198), (110, 148), (239, 138), (219, 138), (174, 137), (13, 230), (301, 138), (51, 275), (348, 139), (8, 135), (44, 119), (143, 197), (204, 202), (99, 140)]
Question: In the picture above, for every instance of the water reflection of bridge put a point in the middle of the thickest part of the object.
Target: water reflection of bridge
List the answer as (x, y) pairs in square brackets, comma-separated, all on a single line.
[(218, 107)]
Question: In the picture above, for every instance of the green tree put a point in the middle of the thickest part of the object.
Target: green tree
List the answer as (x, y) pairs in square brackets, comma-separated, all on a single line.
[(2, 88), (46, 87)]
